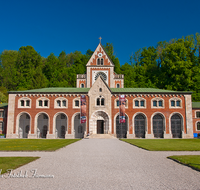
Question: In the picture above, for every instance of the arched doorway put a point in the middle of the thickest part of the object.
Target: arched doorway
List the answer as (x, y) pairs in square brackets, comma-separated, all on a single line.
[(176, 126), (79, 128), (42, 125), (24, 125), (158, 128), (139, 123), (61, 125), (99, 123), (121, 128)]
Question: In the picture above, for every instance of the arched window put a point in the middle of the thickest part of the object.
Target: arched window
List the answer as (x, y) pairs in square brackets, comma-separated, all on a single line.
[(158, 127), (24, 102), (58, 103), (176, 126), (82, 85), (76, 102), (101, 61), (118, 86), (100, 89), (175, 103), (103, 75), (98, 61), (102, 101), (139, 103), (42, 102), (98, 101), (157, 103), (198, 126), (139, 122)]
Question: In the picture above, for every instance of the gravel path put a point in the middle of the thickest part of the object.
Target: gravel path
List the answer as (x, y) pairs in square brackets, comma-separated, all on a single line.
[(102, 164)]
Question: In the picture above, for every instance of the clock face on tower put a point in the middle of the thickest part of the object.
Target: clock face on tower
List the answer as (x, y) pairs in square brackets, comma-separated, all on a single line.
[(100, 55)]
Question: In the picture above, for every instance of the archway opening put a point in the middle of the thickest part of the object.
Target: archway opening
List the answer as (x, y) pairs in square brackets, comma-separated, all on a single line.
[(24, 125), (42, 125), (139, 123), (176, 126), (158, 127), (79, 128), (61, 126), (121, 128)]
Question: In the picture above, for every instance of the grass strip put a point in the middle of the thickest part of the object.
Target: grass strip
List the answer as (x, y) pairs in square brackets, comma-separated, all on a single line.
[(192, 161), (166, 144), (34, 144), (8, 163)]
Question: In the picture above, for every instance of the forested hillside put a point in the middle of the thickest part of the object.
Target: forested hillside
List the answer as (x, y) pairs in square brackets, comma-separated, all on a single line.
[(173, 65)]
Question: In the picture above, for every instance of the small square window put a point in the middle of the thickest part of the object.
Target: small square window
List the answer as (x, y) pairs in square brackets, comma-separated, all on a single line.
[(46, 103), (137, 103), (77, 103), (155, 103), (22, 102), (142, 103), (198, 114), (64, 103), (117, 103), (40, 102), (28, 103), (178, 103), (173, 103), (160, 103)]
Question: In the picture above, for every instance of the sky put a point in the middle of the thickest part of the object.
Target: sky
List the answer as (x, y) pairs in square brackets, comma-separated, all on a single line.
[(54, 26)]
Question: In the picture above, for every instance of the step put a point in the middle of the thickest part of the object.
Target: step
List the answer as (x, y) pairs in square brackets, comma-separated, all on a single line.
[(101, 136)]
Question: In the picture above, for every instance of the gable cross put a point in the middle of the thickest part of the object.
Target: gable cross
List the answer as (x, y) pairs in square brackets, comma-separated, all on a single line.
[(100, 39)]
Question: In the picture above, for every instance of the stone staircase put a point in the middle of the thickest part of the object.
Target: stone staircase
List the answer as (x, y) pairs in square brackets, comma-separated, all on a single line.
[(101, 136)]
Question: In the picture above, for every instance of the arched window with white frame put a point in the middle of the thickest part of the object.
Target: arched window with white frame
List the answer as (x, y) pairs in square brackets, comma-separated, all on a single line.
[(175, 103), (42, 102), (117, 103), (139, 103), (157, 103), (76, 102), (24, 102), (60, 102)]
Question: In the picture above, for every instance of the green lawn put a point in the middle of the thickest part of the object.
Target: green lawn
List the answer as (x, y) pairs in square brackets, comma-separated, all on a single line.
[(34, 144), (8, 163), (189, 160), (166, 144)]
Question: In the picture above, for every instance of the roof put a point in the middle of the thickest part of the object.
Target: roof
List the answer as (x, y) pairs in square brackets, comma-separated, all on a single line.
[(2, 105), (146, 90), (195, 104), (85, 90), (54, 90)]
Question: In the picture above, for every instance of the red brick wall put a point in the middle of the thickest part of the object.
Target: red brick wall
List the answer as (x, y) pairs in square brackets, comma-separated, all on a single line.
[(148, 111), (51, 111), (4, 119)]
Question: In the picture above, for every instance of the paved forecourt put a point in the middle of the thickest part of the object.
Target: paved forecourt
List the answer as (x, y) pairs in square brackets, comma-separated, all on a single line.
[(102, 164)]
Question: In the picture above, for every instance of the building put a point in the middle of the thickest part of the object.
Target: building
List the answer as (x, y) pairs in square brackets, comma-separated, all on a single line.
[(55, 112)]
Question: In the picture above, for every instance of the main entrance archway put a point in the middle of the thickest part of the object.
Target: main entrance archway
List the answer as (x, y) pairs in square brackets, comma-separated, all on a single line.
[(139, 122), (99, 123), (79, 128), (158, 128), (42, 125), (61, 125)]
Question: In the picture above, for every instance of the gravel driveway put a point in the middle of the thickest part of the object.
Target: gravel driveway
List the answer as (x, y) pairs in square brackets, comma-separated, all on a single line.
[(102, 164)]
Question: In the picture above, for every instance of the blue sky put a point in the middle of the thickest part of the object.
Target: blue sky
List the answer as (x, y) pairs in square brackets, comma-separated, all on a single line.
[(54, 26)]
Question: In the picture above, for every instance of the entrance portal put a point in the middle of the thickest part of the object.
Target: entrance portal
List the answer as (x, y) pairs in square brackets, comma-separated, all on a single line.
[(100, 126)]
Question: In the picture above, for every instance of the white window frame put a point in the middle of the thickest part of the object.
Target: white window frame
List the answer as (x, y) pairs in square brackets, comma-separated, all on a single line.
[(2, 111), (115, 102), (175, 99), (196, 114), (43, 100), (61, 106), (139, 99), (158, 99), (77, 107), (100, 102), (25, 99), (196, 125)]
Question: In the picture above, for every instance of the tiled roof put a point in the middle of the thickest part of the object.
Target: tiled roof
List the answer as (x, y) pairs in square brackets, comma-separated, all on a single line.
[(145, 90), (54, 90), (113, 90), (3, 105), (195, 104)]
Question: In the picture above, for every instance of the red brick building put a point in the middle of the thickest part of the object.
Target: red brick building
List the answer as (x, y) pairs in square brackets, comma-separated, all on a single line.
[(55, 112)]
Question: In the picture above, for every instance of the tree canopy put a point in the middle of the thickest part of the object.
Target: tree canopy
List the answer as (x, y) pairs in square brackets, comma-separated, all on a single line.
[(173, 65)]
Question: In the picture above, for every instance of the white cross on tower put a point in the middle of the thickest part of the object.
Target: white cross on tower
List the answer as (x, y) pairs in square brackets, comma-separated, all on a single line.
[(100, 39)]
